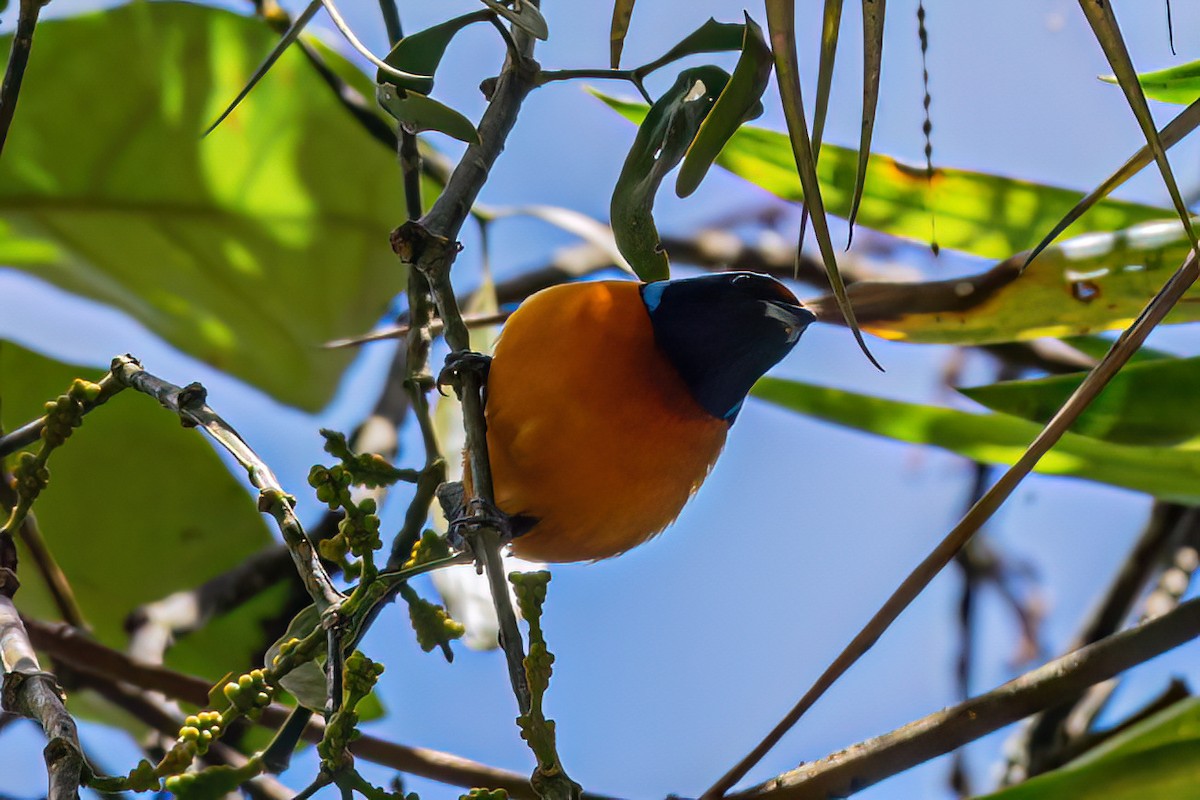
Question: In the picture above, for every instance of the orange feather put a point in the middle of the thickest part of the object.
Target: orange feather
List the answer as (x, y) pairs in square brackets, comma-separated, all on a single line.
[(591, 430)]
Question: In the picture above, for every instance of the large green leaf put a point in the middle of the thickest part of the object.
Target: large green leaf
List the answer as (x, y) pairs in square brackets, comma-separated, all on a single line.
[(987, 215), (1156, 759), (1171, 473), (137, 508), (1092, 283), (1148, 403), (247, 249)]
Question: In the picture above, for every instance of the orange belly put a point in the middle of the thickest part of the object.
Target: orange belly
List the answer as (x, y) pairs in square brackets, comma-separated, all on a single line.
[(590, 430)]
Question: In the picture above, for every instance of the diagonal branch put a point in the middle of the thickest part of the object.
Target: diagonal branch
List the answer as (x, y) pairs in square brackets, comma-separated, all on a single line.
[(869, 762), (18, 59), (1124, 347), (189, 403)]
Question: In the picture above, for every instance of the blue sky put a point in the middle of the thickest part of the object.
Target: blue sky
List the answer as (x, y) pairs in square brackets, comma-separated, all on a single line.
[(672, 661)]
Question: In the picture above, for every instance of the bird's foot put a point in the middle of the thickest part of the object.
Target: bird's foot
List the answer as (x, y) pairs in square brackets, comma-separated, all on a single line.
[(478, 515), (460, 362)]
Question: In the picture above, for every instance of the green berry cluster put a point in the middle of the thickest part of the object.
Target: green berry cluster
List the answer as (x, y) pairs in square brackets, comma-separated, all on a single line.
[(65, 413), (366, 469), (31, 476), (200, 730), (485, 794), (359, 675), (250, 693), (360, 528), (212, 782), (430, 547), (332, 485), (433, 626)]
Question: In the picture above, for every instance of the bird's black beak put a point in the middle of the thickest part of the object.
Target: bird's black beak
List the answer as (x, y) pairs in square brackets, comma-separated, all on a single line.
[(799, 316)]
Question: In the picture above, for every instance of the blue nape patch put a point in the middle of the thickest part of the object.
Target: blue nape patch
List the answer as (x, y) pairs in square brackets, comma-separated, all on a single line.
[(732, 413), (652, 294)]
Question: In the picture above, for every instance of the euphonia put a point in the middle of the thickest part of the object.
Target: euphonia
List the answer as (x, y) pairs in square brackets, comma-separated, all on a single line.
[(609, 401)]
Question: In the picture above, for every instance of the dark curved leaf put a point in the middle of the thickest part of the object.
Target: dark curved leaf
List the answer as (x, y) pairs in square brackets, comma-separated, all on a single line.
[(418, 113), (711, 37), (422, 52), (873, 14), (662, 139), (738, 102)]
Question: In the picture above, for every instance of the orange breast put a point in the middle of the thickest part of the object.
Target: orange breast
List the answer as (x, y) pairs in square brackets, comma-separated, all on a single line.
[(590, 430)]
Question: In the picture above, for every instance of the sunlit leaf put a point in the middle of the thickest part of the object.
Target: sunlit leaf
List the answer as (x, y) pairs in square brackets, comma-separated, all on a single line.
[(711, 37), (1165, 472), (1155, 759), (137, 508), (524, 15), (1148, 403), (422, 52), (1179, 84), (246, 250), (1092, 283), (781, 23), (622, 11), (873, 16), (418, 113), (978, 213), (661, 142), (738, 102)]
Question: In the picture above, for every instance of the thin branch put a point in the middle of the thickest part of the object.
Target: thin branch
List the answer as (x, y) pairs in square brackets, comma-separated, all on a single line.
[(75, 649), (33, 693), (1124, 347), (869, 762), (18, 59), (189, 403)]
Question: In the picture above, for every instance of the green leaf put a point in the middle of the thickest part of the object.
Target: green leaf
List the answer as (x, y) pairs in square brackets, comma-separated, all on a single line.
[(986, 215), (420, 113), (524, 15), (661, 142), (873, 14), (738, 102), (1179, 84), (711, 37), (1156, 759), (781, 24), (246, 250), (137, 508), (1148, 403), (1170, 473), (1095, 282), (422, 52), (622, 12)]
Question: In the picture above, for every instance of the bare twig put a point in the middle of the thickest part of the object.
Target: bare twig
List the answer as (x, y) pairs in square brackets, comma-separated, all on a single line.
[(1124, 347), (864, 764), (33, 693), (189, 403), (18, 59)]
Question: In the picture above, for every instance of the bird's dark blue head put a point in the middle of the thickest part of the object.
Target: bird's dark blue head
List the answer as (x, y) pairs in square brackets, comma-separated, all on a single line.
[(723, 331)]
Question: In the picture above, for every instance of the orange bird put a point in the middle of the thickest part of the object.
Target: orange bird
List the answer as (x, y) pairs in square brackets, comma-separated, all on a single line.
[(609, 401)]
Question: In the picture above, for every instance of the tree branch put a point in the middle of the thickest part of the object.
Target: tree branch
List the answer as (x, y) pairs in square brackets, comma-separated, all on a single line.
[(33, 693), (18, 58), (869, 762), (189, 403), (75, 649)]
